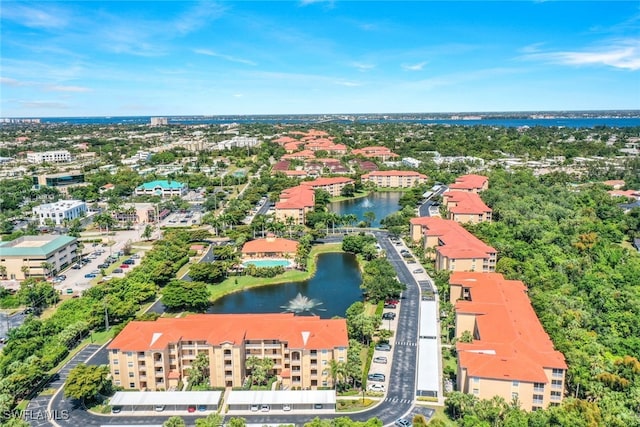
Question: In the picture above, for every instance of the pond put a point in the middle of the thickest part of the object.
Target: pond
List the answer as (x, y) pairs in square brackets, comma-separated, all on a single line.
[(381, 204), (336, 285)]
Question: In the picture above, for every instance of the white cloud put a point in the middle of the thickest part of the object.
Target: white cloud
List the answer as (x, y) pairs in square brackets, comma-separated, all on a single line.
[(362, 66), (63, 88), (12, 82), (198, 16), (47, 17), (230, 58), (44, 104), (414, 67), (623, 54)]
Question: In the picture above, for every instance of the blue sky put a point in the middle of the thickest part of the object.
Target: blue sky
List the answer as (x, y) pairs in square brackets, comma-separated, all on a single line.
[(113, 58)]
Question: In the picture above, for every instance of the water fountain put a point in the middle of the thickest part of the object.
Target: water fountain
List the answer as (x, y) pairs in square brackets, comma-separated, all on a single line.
[(301, 304), (367, 203)]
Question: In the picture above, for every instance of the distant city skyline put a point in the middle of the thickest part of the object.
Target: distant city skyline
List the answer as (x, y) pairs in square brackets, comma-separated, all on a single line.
[(73, 59)]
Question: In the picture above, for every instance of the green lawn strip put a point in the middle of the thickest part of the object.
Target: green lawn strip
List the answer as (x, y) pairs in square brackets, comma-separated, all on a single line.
[(442, 416), (352, 405), (240, 283)]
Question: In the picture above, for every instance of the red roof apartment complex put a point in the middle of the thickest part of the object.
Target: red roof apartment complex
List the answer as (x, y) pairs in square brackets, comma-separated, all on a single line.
[(157, 355), (394, 178), (465, 207), (454, 248), (374, 152), (331, 185), (470, 183), (511, 355), (270, 247), (295, 202)]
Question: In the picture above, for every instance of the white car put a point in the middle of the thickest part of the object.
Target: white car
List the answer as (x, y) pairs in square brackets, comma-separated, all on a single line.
[(378, 388)]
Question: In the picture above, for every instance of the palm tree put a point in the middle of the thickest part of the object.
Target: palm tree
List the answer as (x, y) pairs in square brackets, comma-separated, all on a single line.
[(349, 219), (25, 270), (369, 216), (334, 219), (47, 268), (3, 271), (290, 220)]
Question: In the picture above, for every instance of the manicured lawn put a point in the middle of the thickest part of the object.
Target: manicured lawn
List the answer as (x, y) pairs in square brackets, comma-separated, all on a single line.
[(240, 283), (350, 405)]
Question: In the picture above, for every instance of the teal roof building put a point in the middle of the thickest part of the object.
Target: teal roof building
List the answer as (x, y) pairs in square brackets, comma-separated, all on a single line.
[(162, 188)]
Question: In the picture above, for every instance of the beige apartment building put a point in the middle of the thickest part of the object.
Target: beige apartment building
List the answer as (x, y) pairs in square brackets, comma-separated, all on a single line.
[(296, 203), (466, 208), (394, 178), (451, 246), (511, 355), (37, 256), (157, 355), (332, 186)]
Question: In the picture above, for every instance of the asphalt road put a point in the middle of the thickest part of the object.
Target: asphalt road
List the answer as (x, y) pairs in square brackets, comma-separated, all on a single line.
[(398, 401)]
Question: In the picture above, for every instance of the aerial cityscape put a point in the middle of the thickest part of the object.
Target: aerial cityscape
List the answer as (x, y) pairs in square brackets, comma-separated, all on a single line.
[(320, 214)]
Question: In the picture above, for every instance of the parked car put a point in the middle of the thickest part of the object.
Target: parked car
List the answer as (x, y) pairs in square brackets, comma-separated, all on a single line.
[(380, 359), (383, 347), (202, 408), (191, 408), (69, 291), (255, 408), (376, 377), (116, 409), (124, 266), (286, 407), (135, 256), (103, 265), (76, 267), (90, 276), (390, 306), (265, 408), (392, 301), (378, 388), (418, 271), (402, 422), (389, 316), (129, 261), (318, 406), (117, 270), (159, 408)]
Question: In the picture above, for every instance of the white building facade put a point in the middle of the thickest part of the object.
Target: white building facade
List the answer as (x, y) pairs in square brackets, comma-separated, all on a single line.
[(56, 156), (60, 211)]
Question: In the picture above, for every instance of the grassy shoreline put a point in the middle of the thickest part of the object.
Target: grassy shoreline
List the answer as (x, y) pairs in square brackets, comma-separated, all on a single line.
[(240, 283), (358, 195)]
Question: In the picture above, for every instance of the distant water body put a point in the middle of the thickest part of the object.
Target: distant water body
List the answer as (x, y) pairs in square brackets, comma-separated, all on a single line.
[(498, 122)]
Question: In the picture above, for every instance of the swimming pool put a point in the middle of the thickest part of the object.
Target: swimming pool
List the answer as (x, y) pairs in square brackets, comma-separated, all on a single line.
[(268, 263)]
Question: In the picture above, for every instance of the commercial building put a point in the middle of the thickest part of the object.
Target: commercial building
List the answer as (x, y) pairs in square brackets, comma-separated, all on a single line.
[(55, 156), (271, 247), (511, 355), (295, 202), (466, 207), (394, 178), (411, 162), (158, 355), (164, 189), (38, 256), (139, 213), (470, 183), (333, 186), (59, 180), (59, 212), (452, 246), (159, 121)]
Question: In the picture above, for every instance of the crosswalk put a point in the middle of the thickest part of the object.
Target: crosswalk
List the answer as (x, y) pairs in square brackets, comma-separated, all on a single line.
[(396, 400), (406, 343)]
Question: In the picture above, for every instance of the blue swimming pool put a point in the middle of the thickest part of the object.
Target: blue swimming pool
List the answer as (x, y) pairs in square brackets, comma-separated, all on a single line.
[(268, 263)]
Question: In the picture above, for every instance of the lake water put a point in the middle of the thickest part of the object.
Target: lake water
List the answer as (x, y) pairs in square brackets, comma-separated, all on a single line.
[(381, 204), (336, 285)]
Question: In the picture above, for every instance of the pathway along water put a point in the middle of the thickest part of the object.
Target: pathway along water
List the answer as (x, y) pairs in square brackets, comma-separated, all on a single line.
[(336, 285)]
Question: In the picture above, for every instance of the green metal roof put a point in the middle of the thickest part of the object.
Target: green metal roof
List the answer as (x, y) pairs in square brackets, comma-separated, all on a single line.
[(7, 249), (165, 185)]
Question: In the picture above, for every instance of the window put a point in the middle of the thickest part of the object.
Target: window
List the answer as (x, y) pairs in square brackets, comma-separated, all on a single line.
[(475, 380), (556, 395), (132, 385), (514, 396), (515, 383), (116, 372), (130, 364), (558, 373), (117, 382), (538, 399), (130, 374), (536, 408), (129, 353), (476, 391), (115, 361), (538, 387), (556, 384)]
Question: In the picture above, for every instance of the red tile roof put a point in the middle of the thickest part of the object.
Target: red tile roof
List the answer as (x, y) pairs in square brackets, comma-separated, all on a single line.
[(270, 245), (298, 197), (455, 240), (319, 182), (512, 345), (469, 182), (465, 203), (282, 165), (631, 194), (394, 173), (300, 332), (304, 154), (374, 151)]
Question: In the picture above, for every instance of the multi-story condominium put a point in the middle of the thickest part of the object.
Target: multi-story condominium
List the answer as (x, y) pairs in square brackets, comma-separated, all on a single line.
[(55, 156), (299, 155), (157, 355), (452, 246), (411, 162), (295, 202), (470, 183), (375, 152), (332, 186), (159, 121), (394, 178), (38, 256), (59, 212), (164, 189), (466, 207), (511, 355)]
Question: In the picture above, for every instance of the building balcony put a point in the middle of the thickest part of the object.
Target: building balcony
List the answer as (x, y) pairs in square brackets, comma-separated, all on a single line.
[(158, 364)]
